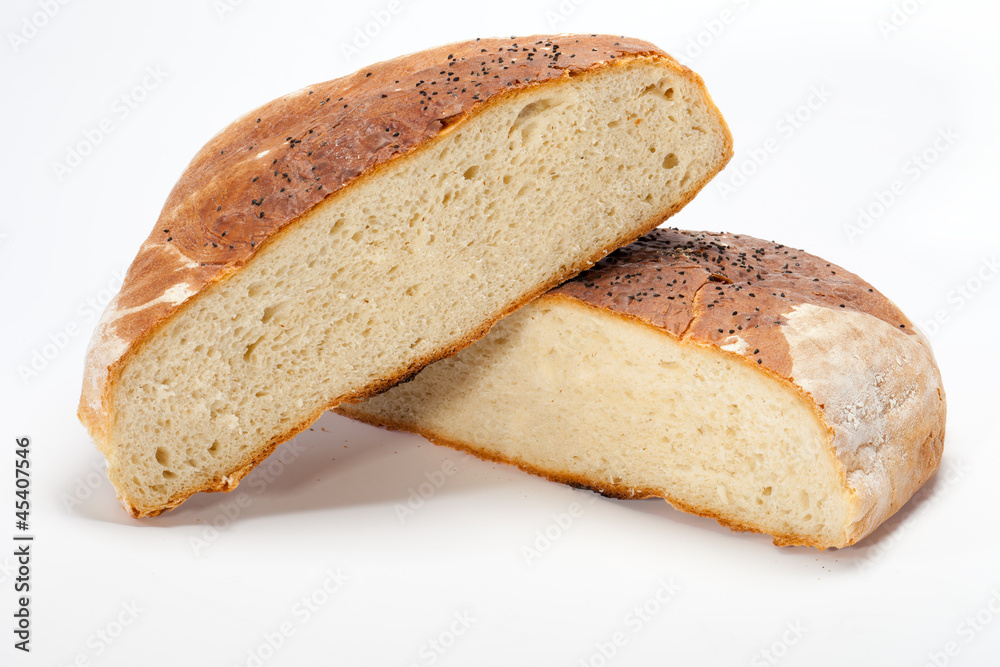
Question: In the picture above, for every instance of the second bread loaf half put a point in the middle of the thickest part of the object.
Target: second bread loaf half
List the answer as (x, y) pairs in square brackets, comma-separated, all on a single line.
[(737, 378)]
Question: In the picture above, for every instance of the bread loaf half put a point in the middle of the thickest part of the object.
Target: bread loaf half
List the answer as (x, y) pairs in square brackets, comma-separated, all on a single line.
[(739, 379), (334, 241)]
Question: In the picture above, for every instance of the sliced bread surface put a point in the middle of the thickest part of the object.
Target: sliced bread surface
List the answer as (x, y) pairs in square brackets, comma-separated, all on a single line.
[(739, 379), (332, 242)]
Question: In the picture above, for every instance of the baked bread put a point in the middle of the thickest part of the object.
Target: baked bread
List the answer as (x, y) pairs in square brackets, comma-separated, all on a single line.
[(332, 242), (739, 379)]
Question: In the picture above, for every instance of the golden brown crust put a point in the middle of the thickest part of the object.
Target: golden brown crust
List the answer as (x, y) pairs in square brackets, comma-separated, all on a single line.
[(321, 138), (712, 288)]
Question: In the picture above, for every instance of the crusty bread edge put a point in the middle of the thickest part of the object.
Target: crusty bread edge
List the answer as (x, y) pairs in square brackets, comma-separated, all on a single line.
[(609, 490), (230, 480)]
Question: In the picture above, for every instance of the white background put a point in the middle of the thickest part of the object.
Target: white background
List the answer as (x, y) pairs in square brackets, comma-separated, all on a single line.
[(176, 586)]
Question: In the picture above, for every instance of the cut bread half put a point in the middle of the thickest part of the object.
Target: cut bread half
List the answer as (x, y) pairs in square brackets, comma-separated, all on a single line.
[(331, 243), (739, 379)]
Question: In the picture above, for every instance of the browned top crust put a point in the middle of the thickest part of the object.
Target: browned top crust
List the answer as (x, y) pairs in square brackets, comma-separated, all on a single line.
[(715, 288), (322, 137), (274, 164)]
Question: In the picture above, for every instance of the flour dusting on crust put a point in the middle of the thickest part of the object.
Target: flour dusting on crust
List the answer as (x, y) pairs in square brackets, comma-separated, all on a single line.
[(879, 389)]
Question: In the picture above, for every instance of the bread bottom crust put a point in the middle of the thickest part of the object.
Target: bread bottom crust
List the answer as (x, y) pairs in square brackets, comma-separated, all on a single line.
[(609, 490)]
